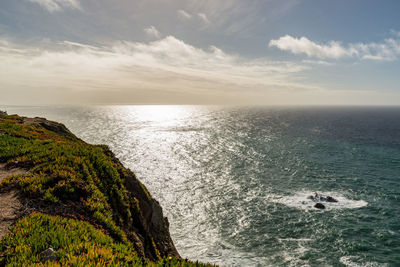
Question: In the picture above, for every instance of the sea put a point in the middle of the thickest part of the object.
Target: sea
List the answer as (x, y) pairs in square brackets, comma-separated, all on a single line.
[(234, 181)]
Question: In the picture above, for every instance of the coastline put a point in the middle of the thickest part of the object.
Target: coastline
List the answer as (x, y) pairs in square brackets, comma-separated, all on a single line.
[(50, 174)]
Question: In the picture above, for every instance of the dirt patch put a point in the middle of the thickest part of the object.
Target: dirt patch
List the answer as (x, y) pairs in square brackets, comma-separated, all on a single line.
[(14, 205), (10, 203), (4, 172), (10, 208)]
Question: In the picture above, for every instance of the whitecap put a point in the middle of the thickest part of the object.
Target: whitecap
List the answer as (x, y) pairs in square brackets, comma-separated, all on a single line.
[(299, 200), (296, 239), (354, 261)]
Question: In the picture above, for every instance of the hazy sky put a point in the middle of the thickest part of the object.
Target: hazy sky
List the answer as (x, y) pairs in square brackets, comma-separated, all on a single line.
[(199, 52)]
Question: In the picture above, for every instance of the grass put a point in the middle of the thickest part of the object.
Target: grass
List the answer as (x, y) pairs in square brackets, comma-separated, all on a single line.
[(63, 168), (75, 243)]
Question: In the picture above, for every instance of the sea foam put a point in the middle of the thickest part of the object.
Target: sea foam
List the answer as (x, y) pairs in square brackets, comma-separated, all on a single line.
[(299, 200), (354, 261)]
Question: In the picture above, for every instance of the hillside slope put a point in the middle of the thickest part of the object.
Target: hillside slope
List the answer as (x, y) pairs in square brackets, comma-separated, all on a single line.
[(77, 200)]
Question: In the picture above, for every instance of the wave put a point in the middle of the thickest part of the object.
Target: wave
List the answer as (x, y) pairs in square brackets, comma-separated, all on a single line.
[(300, 201), (354, 261)]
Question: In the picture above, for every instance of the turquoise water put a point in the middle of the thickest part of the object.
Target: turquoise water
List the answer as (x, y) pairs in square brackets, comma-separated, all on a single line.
[(234, 181)]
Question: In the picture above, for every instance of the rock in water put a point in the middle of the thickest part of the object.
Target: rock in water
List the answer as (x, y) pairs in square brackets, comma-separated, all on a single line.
[(330, 199), (319, 206)]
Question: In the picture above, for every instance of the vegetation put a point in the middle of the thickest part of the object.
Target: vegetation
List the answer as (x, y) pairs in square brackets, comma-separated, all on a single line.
[(62, 169), (74, 243)]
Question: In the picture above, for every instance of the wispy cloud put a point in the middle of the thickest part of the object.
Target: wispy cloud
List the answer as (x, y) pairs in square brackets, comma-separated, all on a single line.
[(152, 32), (183, 15), (395, 33), (203, 17), (305, 46), (387, 50), (233, 17), (57, 5), (317, 62)]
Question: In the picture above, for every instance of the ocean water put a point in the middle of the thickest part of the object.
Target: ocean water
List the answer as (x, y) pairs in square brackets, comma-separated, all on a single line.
[(234, 181)]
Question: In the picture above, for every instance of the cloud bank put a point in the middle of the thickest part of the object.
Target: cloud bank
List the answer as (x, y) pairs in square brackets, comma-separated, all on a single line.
[(388, 50), (167, 71)]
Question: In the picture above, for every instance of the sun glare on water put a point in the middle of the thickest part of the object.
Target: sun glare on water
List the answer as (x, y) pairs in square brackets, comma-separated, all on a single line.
[(160, 115)]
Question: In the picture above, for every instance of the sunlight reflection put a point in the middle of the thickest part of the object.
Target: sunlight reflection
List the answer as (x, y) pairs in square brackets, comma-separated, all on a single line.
[(160, 114)]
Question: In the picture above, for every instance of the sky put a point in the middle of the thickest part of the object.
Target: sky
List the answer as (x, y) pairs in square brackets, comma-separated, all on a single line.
[(264, 52)]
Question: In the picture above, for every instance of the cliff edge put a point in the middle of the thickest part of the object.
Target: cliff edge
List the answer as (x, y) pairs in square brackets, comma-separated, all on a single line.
[(57, 186)]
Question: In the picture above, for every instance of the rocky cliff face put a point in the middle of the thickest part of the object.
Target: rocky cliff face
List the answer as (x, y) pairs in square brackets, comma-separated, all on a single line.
[(68, 177), (52, 126), (150, 226)]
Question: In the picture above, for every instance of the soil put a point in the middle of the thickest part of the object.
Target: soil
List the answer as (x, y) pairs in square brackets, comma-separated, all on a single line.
[(10, 203), (4, 172)]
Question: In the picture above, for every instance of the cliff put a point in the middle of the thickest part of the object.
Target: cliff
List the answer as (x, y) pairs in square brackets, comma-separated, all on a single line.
[(66, 202)]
